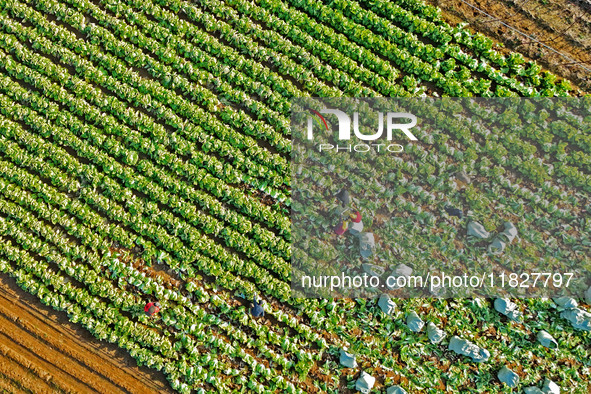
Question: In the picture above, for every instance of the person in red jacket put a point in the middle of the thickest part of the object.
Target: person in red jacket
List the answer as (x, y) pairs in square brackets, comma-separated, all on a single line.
[(355, 217), (341, 228), (152, 308), (356, 224)]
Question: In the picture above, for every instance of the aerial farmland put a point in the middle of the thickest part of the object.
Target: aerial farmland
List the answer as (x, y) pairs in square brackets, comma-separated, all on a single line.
[(194, 199)]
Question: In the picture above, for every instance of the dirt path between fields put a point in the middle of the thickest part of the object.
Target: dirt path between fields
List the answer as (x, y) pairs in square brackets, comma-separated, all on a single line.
[(564, 25), (41, 351)]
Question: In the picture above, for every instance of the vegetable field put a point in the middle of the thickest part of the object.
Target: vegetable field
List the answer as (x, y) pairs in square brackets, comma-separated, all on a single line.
[(41, 351), (145, 156)]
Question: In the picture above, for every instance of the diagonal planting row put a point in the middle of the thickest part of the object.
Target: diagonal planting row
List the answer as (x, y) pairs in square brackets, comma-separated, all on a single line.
[(86, 216), (128, 81), (210, 224), (246, 204), (407, 60), (135, 57), (53, 176), (472, 141), (211, 268), (448, 51), (172, 314), (301, 60), (424, 19), (16, 153), (177, 226), (176, 316), (235, 17), (166, 56), (150, 202)]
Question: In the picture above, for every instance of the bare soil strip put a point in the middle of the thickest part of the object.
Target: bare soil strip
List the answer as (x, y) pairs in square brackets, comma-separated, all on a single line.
[(34, 355), (7, 385), (25, 378)]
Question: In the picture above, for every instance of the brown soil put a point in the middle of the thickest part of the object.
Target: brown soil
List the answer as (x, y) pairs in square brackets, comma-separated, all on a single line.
[(564, 25), (41, 351)]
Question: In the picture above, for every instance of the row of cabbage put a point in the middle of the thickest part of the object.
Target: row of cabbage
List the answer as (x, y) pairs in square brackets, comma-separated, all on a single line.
[(16, 27), (166, 54), (79, 179), (31, 224)]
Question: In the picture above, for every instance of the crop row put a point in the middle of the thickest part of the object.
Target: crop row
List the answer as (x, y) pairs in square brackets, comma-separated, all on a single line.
[(426, 20), (247, 205), (123, 82), (452, 41), (179, 318), (111, 209), (142, 185)]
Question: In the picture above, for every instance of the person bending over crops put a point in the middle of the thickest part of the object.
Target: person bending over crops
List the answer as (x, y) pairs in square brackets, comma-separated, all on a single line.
[(256, 308), (152, 308), (341, 228), (355, 218), (343, 197)]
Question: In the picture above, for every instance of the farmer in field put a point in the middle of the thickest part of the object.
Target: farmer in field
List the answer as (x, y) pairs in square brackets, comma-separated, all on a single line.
[(452, 211), (356, 224), (352, 223), (341, 228), (256, 308), (345, 199), (152, 308)]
